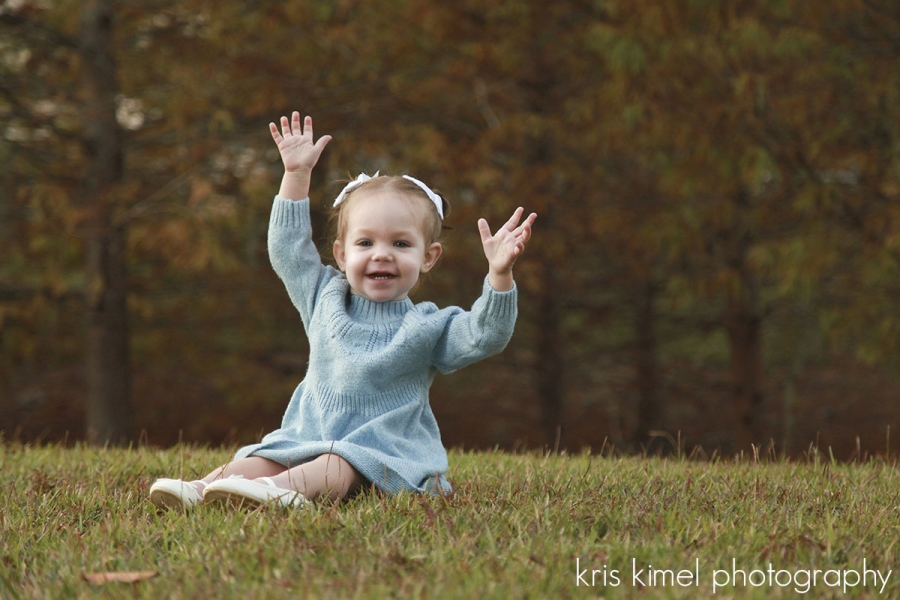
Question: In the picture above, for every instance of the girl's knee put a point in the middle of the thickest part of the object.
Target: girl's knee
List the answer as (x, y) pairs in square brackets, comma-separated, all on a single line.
[(342, 478)]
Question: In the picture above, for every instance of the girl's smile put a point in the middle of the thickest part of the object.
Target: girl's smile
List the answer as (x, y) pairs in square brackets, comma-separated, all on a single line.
[(383, 249)]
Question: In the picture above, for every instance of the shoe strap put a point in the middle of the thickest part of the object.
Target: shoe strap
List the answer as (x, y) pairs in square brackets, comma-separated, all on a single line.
[(269, 481)]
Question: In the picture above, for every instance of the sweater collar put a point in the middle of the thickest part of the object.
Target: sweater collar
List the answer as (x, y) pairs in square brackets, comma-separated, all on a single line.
[(362, 309)]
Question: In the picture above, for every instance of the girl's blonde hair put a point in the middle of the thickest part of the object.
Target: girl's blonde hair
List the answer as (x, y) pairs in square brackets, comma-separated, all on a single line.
[(433, 224)]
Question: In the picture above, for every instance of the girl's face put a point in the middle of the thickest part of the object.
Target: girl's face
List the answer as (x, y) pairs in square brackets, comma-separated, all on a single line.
[(384, 249)]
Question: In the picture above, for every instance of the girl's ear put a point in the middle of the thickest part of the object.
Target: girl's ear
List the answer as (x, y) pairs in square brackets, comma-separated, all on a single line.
[(432, 254), (339, 255)]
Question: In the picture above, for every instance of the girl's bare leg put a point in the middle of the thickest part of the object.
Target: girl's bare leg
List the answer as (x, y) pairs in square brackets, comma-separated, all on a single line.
[(328, 476), (251, 467)]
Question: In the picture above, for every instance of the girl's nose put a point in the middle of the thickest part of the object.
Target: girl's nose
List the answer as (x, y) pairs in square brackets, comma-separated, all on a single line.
[(382, 254)]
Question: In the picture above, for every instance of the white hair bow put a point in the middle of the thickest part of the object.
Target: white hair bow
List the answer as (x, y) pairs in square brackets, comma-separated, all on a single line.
[(438, 203), (362, 178)]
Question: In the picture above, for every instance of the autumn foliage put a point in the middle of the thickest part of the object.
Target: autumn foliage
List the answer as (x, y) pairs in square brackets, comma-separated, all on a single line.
[(717, 252)]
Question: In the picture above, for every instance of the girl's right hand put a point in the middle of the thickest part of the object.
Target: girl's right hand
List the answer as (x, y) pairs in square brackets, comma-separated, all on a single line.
[(295, 143)]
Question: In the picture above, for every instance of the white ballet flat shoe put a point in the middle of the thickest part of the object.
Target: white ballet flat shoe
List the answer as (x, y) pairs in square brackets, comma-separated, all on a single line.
[(174, 494), (253, 493)]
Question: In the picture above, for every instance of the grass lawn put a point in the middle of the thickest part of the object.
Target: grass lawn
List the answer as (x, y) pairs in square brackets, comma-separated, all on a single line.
[(519, 526)]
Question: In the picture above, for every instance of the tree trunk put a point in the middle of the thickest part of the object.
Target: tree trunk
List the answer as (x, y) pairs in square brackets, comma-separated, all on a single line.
[(646, 361), (108, 408), (550, 360), (109, 411), (744, 325), (743, 321)]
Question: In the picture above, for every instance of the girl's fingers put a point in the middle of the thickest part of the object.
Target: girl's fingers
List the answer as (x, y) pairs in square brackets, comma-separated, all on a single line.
[(524, 236), (530, 220), (273, 128), (526, 225), (307, 126), (514, 219), (292, 126), (322, 142), (484, 230)]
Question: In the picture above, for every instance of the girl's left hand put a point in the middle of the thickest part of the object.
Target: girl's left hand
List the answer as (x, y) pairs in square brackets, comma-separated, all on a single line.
[(504, 247)]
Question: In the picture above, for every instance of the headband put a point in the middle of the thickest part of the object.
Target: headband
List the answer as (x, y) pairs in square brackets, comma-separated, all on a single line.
[(362, 178)]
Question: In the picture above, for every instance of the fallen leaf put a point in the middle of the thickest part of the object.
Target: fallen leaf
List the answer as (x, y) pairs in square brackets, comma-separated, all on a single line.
[(119, 576)]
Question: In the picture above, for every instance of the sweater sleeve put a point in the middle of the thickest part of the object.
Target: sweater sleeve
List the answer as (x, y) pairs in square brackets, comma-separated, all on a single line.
[(294, 256), (479, 333)]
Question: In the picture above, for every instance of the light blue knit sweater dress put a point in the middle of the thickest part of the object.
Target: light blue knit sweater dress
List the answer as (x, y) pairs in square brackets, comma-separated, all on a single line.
[(371, 364)]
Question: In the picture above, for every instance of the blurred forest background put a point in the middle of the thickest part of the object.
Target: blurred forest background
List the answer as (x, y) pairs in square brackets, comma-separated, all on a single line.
[(716, 258)]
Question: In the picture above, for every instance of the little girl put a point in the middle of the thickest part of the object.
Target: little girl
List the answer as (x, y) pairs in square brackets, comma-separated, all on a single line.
[(361, 416)]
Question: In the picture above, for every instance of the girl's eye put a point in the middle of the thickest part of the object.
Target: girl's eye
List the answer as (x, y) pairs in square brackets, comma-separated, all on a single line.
[(365, 243), (401, 244)]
